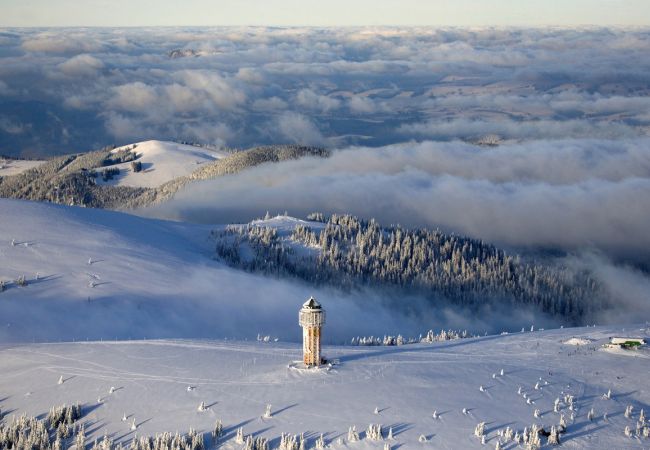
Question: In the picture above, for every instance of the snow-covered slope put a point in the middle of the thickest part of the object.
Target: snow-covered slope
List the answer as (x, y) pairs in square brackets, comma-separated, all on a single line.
[(16, 166), (160, 384), (112, 276), (161, 162), (285, 224), (95, 274)]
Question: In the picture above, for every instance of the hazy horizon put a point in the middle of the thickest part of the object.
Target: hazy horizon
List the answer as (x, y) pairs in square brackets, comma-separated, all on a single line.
[(333, 13)]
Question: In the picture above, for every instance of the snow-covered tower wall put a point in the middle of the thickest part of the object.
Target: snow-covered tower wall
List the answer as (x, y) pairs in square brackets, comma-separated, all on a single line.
[(311, 319)]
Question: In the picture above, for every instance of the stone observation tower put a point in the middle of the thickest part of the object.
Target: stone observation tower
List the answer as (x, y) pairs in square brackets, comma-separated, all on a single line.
[(311, 319)]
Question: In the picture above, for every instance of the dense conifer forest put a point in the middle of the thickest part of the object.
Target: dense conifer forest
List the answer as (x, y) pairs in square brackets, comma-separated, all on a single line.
[(71, 179), (348, 252)]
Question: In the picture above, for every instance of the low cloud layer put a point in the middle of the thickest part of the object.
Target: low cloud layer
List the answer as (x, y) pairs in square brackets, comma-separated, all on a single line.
[(64, 90), (583, 203), (397, 106), (572, 195), (157, 279)]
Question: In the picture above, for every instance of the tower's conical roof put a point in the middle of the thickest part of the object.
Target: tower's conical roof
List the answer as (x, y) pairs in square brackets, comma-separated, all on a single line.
[(311, 304)]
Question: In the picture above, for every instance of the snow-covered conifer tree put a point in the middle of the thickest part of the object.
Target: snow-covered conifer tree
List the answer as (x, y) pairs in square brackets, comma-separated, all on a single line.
[(217, 431), (106, 444), (628, 411), (288, 442), (57, 444), (21, 281), (374, 432), (80, 438), (568, 399), (590, 414), (479, 430), (554, 436), (267, 412), (239, 437), (261, 443), (353, 436), (533, 441)]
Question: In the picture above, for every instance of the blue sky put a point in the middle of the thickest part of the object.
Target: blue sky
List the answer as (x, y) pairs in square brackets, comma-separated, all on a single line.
[(324, 13)]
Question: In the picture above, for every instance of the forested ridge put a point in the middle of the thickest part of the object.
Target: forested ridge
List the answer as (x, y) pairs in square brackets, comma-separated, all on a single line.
[(70, 179), (349, 252)]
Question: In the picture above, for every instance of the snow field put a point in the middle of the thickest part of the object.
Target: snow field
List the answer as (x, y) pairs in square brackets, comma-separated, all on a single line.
[(162, 383)]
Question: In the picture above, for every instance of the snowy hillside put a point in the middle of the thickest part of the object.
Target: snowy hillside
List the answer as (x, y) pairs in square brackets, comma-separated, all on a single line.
[(95, 274), (16, 166), (120, 280), (161, 162), (346, 251), (159, 385)]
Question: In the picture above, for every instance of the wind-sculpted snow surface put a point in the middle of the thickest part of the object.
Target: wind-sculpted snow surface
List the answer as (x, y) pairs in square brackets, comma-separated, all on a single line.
[(441, 391), (68, 90)]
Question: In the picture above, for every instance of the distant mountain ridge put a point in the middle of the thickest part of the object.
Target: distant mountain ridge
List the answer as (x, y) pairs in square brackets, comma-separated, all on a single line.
[(72, 179)]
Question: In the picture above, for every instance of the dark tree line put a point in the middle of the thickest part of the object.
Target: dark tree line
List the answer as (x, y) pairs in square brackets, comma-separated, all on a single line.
[(349, 252)]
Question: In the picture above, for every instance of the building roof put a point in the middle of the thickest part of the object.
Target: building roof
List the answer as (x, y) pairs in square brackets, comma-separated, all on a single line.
[(311, 304)]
